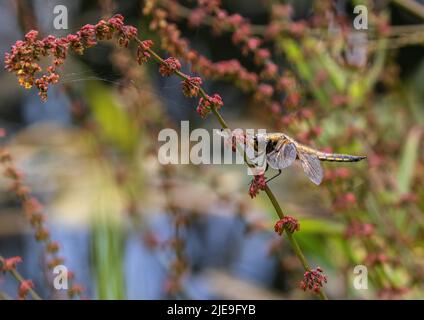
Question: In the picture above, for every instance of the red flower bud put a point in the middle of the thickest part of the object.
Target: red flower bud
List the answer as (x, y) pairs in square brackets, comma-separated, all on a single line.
[(10, 263), (287, 223), (313, 280), (24, 287), (191, 86), (169, 66)]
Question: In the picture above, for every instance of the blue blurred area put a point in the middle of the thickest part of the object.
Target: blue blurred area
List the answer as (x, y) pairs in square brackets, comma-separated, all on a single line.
[(214, 242), (55, 110)]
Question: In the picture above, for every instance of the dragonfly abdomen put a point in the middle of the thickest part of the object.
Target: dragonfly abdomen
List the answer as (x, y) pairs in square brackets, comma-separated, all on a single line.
[(339, 157)]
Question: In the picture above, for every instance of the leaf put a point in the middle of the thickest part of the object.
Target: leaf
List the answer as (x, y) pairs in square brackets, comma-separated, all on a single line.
[(115, 124), (294, 53), (324, 227), (407, 161), (108, 238), (336, 74), (108, 256)]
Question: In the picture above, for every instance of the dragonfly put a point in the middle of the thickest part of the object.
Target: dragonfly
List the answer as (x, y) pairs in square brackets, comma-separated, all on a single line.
[(281, 152)]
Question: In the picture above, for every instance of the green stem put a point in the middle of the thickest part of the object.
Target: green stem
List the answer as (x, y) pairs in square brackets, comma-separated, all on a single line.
[(4, 296), (20, 279), (412, 6), (295, 245)]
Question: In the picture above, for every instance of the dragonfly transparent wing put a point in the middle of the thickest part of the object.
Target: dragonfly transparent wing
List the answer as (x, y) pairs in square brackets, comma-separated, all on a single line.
[(282, 156), (312, 167)]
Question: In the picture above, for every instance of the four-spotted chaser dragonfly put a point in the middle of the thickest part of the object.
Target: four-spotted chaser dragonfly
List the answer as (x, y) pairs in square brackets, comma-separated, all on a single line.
[(281, 151)]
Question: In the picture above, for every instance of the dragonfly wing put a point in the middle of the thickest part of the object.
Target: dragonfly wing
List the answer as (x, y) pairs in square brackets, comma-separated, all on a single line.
[(312, 167), (282, 156)]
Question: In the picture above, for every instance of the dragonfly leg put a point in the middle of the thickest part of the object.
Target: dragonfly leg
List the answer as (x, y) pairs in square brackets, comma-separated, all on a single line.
[(279, 172)]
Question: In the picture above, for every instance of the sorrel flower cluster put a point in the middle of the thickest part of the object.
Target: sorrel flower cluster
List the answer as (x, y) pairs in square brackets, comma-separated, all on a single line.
[(169, 66), (172, 42), (24, 58), (358, 229), (266, 84), (287, 223), (10, 263), (24, 288), (34, 213), (258, 183), (191, 86), (207, 104), (313, 280), (25, 285), (143, 51)]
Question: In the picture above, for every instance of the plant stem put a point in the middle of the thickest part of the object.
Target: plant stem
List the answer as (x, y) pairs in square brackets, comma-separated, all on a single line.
[(4, 296), (295, 246), (20, 279), (412, 6), (292, 240)]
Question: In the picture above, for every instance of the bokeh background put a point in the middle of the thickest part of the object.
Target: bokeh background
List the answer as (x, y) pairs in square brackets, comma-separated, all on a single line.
[(130, 228)]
